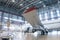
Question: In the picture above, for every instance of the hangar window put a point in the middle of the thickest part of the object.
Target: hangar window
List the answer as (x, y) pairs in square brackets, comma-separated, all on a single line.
[(46, 17), (42, 16), (5, 14), (58, 13), (55, 14), (14, 17), (49, 15)]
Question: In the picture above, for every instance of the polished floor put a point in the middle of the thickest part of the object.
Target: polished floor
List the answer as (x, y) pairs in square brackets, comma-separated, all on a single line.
[(44, 37), (49, 37), (30, 36)]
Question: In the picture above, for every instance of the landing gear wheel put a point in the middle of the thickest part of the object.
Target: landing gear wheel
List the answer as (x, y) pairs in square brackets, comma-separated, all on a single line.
[(46, 32), (42, 33)]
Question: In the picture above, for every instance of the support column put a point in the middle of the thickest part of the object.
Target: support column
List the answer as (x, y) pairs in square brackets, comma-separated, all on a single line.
[(1, 20)]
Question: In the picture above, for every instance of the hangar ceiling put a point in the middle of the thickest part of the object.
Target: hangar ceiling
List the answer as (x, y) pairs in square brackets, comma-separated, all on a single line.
[(18, 6)]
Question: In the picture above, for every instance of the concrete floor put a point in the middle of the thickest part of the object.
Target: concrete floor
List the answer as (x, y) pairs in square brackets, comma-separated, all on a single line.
[(44, 37), (49, 37), (30, 36)]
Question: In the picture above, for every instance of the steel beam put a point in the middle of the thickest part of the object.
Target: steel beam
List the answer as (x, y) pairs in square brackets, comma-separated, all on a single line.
[(9, 10)]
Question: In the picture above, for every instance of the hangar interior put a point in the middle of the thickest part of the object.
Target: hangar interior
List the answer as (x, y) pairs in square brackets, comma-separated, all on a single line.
[(29, 19)]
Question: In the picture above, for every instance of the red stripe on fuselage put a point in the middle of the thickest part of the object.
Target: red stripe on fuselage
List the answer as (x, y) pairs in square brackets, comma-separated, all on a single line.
[(30, 9)]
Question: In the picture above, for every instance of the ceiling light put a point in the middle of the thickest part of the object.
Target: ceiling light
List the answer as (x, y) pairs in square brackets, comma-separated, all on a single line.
[(14, 19), (46, 16), (40, 2), (58, 13), (52, 14), (44, 5), (27, 8), (13, 0), (21, 4), (40, 17)]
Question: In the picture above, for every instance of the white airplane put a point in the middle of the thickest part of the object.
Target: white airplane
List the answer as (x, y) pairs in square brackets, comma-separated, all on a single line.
[(32, 17)]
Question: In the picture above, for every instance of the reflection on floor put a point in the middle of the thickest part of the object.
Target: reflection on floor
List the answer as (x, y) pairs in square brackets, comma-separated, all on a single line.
[(31, 36), (45, 37), (49, 37)]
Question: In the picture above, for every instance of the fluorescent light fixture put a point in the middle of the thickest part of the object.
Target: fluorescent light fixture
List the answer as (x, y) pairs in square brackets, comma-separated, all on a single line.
[(16, 20), (52, 14), (58, 13), (40, 17), (13, 0), (44, 5), (13, 19), (46, 17), (27, 8), (21, 4), (5, 17), (40, 2)]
